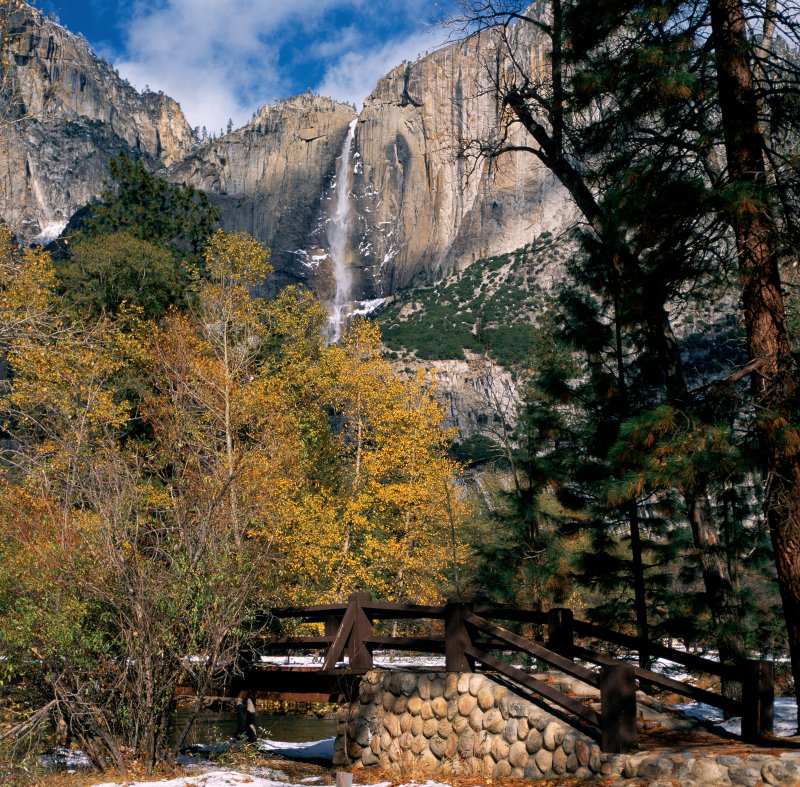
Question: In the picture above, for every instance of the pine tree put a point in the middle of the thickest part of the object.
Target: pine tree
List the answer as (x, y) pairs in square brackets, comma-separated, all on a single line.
[(704, 101), (640, 270), (150, 208)]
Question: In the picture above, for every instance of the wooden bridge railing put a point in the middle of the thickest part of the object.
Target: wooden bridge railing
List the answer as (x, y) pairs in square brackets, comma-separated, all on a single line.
[(469, 636)]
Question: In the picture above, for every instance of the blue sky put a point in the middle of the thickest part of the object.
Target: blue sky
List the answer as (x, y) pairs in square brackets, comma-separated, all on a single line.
[(226, 58)]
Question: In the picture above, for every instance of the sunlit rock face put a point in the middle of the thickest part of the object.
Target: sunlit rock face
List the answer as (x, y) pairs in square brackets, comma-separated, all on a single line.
[(424, 207), (274, 178), (417, 207), (65, 112)]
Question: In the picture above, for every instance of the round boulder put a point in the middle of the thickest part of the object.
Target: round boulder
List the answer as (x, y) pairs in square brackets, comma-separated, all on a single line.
[(466, 704), (534, 742), (549, 735), (559, 761), (475, 683), (500, 749), (510, 731), (501, 770), (429, 727), (392, 724), (439, 707), (544, 760), (493, 721), (476, 719), (424, 687), (466, 743), (486, 696), (460, 723), (518, 755), (418, 745), (436, 745)]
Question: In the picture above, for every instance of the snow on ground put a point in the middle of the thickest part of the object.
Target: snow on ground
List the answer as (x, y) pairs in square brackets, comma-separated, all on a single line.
[(226, 778), (367, 307), (785, 718), (67, 759), (49, 233), (212, 778), (306, 750), (382, 659), (299, 750)]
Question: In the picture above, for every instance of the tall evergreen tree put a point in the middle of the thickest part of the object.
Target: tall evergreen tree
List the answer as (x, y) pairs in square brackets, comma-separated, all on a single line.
[(690, 77), (151, 208), (645, 273)]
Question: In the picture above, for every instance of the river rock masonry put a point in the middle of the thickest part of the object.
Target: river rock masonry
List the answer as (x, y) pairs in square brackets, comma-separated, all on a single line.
[(457, 723)]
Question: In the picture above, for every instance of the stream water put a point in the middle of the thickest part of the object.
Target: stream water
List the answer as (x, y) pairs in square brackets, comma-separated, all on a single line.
[(212, 726)]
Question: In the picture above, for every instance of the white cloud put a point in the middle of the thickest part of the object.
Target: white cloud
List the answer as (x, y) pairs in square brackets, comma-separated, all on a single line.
[(352, 76), (225, 58), (208, 53)]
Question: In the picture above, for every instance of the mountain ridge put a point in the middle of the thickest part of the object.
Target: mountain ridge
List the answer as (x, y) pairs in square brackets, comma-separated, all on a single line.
[(419, 208)]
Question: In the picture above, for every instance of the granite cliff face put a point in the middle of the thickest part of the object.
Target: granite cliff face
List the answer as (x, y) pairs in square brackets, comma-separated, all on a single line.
[(425, 209), (416, 209), (271, 179), (65, 112)]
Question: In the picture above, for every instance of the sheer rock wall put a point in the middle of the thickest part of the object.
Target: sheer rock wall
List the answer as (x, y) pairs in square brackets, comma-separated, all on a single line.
[(64, 113), (419, 207)]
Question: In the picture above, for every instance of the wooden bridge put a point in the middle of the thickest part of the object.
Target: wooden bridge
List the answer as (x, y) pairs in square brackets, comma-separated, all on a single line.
[(471, 634)]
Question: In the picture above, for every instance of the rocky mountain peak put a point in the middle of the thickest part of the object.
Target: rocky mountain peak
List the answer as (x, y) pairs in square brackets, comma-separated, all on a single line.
[(418, 208)]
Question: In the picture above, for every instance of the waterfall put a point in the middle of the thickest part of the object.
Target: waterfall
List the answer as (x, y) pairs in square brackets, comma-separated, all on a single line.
[(337, 241)]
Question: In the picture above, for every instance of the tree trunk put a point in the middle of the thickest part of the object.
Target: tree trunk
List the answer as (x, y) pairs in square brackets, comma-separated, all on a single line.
[(774, 386)]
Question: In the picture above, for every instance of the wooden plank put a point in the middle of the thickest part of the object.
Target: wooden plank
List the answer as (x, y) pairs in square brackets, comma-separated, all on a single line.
[(575, 707), (618, 708), (418, 644), (534, 649), (361, 631), (654, 649), (297, 684), (560, 631), (392, 609), (337, 646), (665, 682), (284, 643), (508, 613), (316, 611), (758, 699), (457, 637), (276, 696)]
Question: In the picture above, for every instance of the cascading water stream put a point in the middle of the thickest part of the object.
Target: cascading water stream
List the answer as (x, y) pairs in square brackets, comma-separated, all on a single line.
[(337, 241)]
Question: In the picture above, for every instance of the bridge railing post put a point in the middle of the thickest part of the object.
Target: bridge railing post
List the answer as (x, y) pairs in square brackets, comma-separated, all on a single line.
[(357, 646), (758, 699), (618, 708), (457, 636), (560, 631), (332, 623)]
